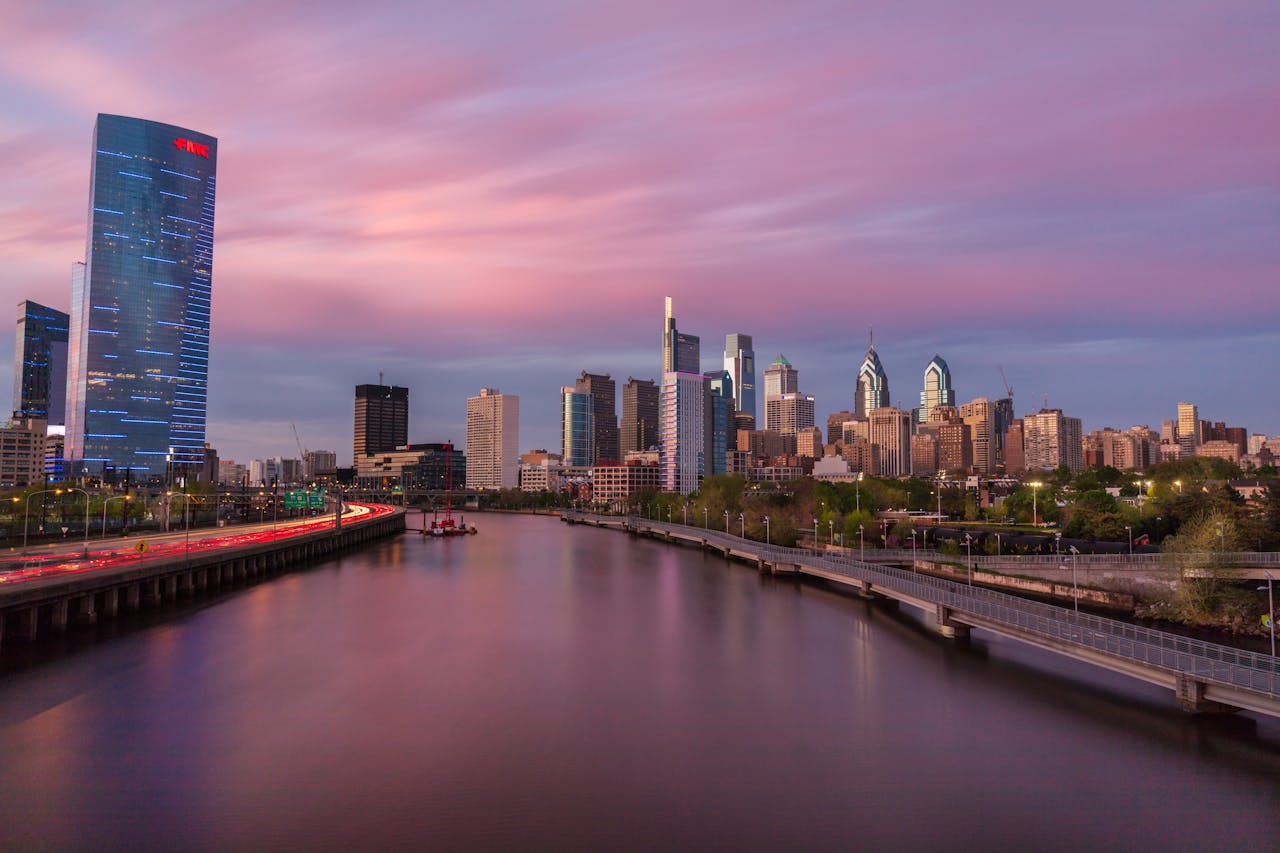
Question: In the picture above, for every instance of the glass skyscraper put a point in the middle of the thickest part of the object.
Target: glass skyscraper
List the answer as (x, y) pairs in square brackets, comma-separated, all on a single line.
[(740, 362), (137, 378), (40, 368)]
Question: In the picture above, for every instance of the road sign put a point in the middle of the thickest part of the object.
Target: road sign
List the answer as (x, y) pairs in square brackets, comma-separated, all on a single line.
[(1266, 620), (141, 547)]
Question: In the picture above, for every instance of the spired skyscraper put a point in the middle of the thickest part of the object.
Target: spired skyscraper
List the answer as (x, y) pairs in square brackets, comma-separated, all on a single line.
[(138, 354), (937, 389), (740, 364), (873, 384)]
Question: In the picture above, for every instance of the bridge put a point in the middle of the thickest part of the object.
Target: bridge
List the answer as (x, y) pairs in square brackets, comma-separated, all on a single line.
[(1204, 677), (40, 599)]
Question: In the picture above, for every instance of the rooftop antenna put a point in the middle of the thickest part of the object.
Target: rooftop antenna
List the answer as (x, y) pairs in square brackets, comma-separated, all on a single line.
[(379, 377)]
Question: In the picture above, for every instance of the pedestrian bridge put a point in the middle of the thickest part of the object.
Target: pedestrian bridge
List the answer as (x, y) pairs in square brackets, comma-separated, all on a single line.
[(1203, 676)]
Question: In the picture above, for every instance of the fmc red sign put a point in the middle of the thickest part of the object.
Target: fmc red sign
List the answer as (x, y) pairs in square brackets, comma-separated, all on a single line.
[(193, 147)]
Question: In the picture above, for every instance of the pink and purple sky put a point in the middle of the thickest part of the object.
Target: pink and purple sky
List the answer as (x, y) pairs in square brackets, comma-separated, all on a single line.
[(500, 194)]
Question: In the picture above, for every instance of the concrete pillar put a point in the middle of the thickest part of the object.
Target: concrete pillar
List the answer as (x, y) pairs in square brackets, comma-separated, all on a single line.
[(28, 624), (110, 603), (133, 596), (85, 613), (58, 616), (1190, 696), (202, 578), (170, 587), (151, 591), (948, 627)]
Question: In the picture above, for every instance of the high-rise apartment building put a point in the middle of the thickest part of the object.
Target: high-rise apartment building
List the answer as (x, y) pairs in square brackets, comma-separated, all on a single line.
[(40, 364), (138, 345), (604, 396), (891, 432), (1188, 428), (740, 364), (316, 464), (493, 440), (937, 389), (382, 419), (873, 385), (835, 425), (1015, 447), (683, 424), (577, 427), (680, 352), (1002, 412), (1051, 439), (979, 414), (639, 429)]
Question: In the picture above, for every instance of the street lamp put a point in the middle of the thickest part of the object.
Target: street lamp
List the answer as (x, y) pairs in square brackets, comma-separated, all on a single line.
[(862, 549), (766, 530), (1271, 612), (742, 520), (1221, 544), (104, 511), (968, 547), (815, 534), (726, 522), (26, 515), (86, 516), (706, 514), (1075, 590), (831, 528), (1128, 529), (686, 515), (1035, 490), (998, 545), (1178, 483), (1057, 543), (913, 550)]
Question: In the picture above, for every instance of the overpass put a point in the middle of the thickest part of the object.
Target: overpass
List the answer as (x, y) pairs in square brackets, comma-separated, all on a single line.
[(1204, 676), (41, 599)]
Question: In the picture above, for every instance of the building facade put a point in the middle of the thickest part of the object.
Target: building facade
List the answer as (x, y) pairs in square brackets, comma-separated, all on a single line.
[(718, 411), (683, 425), (604, 402), (740, 364), (873, 385), (40, 363), (382, 419), (138, 341), (1188, 428), (1050, 440), (639, 427), (577, 427), (891, 433), (680, 352), (493, 440), (937, 389)]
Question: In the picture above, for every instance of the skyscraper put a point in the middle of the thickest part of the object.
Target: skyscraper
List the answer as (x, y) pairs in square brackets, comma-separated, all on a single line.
[(382, 419), (740, 364), (680, 352), (1050, 439), (138, 349), (979, 414), (493, 440), (718, 412), (891, 432), (639, 430), (577, 427), (1188, 428), (40, 364), (604, 396), (873, 384), (682, 422), (788, 413), (937, 388), (780, 378)]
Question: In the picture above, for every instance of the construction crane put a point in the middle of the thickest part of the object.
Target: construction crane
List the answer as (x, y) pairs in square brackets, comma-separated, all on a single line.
[(1008, 389), (302, 454)]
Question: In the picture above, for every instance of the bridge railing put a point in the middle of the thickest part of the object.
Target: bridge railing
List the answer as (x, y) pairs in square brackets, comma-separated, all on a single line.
[(1208, 662)]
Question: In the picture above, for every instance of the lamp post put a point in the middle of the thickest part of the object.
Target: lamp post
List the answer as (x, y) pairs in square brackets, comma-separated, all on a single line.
[(686, 515), (857, 493), (1221, 543), (104, 511), (968, 547), (1075, 590), (1057, 544), (706, 515), (862, 547), (831, 529), (1035, 491), (1271, 612), (86, 516), (726, 522), (815, 534), (913, 550), (766, 530), (1178, 483), (1128, 529), (26, 515), (742, 520), (998, 545)]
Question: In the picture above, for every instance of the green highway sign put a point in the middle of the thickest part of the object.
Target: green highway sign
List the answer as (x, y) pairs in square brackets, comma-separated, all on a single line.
[(304, 499)]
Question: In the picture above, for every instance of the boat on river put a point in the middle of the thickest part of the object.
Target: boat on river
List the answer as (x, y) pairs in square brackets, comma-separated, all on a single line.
[(447, 526)]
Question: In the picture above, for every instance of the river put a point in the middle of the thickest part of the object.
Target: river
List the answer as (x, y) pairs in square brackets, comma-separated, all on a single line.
[(541, 686)]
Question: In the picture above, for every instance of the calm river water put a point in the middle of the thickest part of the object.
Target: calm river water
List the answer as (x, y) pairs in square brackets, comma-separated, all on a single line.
[(545, 687)]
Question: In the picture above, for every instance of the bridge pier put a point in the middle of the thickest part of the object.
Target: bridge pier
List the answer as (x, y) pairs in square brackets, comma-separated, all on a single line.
[(133, 596), (28, 624), (111, 603), (1190, 696), (85, 614), (947, 626), (58, 616)]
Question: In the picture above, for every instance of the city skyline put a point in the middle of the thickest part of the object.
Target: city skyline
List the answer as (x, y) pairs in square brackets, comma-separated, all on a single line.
[(1105, 211)]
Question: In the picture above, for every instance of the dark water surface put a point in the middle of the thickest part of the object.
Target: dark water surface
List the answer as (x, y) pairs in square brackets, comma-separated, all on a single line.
[(540, 686)]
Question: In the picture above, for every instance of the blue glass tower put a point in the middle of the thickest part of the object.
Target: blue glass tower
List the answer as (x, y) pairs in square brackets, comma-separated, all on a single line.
[(40, 369), (137, 378)]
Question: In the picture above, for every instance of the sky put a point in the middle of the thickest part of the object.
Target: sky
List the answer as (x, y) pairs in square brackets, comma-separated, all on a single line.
[(493, 194)]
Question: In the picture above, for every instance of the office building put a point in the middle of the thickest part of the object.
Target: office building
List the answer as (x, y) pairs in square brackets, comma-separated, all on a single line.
[(639, 428), (891, 433), (619, 481), (937, 389), (426, 467), (22, 452), (319, 464), (979, 414), (40, 363), (1014, 447), (604, 397), (788, 413), (809, 443), (681, 353), (873, 385), (740, 364), (835, 425), (493, 440), (1002, 414), (138, 343), (382, 419), (780, 378), (924, 453), (718, 411), (577, 427), (1188, 428), (682, 421)]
